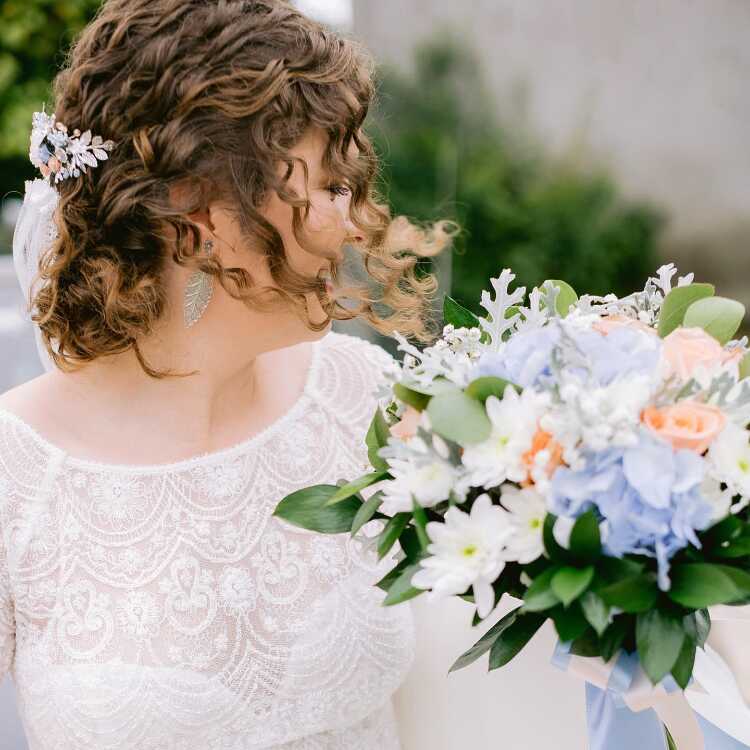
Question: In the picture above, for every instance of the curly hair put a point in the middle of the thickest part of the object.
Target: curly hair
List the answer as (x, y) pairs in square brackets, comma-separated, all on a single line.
[(212, 95)]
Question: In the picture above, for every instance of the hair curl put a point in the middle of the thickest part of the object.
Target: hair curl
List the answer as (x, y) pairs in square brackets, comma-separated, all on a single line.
[(213, 95)]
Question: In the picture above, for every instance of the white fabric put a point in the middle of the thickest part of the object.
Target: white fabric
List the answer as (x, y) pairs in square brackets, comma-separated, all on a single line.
[(34, 232), (165, 608)]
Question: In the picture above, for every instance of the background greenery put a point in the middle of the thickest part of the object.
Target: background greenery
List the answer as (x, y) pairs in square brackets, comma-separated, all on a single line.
[(444, 153)]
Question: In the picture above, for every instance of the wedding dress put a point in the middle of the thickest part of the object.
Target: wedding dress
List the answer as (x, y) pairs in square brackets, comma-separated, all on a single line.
[(165, 608)]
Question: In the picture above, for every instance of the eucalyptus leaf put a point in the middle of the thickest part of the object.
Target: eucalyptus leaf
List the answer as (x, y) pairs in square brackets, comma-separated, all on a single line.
[(458, 417), (410, 397), (309, 509), (718, 316), (745, 366), (566, 297), (482, 388), (676, 303)]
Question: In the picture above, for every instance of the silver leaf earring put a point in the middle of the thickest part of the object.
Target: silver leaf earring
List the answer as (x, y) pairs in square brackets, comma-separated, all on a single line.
[(198, 292)]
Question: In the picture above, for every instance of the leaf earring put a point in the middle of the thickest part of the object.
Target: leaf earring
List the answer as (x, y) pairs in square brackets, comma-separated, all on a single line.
[(198, 292)]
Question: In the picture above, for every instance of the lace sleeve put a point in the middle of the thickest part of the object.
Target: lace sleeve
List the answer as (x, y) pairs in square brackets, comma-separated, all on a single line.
[(7, 618)]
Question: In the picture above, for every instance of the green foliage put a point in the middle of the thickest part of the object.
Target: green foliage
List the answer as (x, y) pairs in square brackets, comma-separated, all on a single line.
[(445, 156), (677, 302), (34, 38)]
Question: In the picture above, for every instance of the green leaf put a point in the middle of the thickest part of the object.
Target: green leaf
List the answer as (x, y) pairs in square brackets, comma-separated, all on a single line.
[(677, 302), (353, 488), (514, 638), (659, 638), (482, 388), (377, 437), (671, 744), (585, 540), (367, 511), (539, 596), (457, 315), (391, 532), (610, 642), (682, 670), (719, 316), (390, 577), (420, 524), (635, 594), (570, 623), (595, 611), (484, 644), (615, 569), (745, 366), (410, 397), (565, 298), (699, 585), (551, 547), (702, 626), (569, 582), (459, 418), (586, 644), (309, 509), (401, 590)]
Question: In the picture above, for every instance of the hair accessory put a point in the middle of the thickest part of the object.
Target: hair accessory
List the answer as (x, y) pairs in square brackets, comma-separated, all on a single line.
[(198, 292), (58, 154)]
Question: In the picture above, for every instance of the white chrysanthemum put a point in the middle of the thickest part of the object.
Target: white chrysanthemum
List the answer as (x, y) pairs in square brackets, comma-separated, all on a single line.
[(466, 550), (421, 471), (587, 416), (526, 511), (514, 421), (729, 456)]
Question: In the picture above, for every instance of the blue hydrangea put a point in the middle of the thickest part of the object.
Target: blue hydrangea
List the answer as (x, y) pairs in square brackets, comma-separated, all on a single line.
[(527, 357), (648, 496)]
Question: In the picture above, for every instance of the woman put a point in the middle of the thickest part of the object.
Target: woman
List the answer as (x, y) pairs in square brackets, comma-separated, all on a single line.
[(148, 598)]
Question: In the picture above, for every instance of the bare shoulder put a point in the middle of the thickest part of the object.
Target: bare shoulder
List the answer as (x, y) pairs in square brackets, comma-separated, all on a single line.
[(35, 401)]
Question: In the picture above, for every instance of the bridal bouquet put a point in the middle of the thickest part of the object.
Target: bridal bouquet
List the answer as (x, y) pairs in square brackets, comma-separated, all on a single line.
[(588, 456)]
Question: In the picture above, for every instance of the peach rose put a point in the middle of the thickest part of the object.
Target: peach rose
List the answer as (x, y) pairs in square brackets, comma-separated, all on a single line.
[(406, 428), (687, 425), (612, 322), (542, 441), (689, 349)]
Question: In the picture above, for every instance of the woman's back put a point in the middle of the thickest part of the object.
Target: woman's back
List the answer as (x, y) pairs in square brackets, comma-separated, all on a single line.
[(165, 607)]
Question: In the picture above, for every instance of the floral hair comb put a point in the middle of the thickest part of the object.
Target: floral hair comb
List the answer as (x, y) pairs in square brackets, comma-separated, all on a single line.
[(60, 155)]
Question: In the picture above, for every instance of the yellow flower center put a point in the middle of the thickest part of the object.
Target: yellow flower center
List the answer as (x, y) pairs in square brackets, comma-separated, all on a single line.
[(535, 523), (470, 550), (744, 466)]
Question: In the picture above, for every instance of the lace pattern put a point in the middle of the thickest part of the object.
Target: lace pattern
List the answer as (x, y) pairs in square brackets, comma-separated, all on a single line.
[(164, 607)]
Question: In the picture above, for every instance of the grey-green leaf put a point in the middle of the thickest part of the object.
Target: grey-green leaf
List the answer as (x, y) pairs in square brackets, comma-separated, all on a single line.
[(566, 297), (677, 302), (718, 316), (458, 417)]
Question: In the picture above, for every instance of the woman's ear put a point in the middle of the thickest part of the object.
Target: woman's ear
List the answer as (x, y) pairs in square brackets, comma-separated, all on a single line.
[(191, 198)]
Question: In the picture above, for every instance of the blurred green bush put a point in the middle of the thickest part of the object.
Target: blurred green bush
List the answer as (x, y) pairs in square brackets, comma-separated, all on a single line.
[(445, 156), (34, 37)]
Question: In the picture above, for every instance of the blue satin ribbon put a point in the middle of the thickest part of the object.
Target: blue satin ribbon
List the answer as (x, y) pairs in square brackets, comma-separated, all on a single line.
[(716, 739), (611, 724)]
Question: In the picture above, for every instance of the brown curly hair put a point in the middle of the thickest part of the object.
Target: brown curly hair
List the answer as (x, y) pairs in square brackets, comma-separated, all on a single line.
[(212, 94)]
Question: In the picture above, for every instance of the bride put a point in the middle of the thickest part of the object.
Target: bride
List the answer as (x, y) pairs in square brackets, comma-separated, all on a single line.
[(205, 166)]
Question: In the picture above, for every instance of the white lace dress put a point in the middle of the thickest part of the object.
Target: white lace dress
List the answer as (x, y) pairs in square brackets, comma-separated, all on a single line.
[(164, 608)]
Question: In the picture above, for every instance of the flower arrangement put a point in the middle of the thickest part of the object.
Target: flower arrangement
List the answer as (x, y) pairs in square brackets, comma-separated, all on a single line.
[(588, 456)]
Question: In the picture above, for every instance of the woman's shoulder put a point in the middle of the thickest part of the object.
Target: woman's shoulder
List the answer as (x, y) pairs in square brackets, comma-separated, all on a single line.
[(351, 369)]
